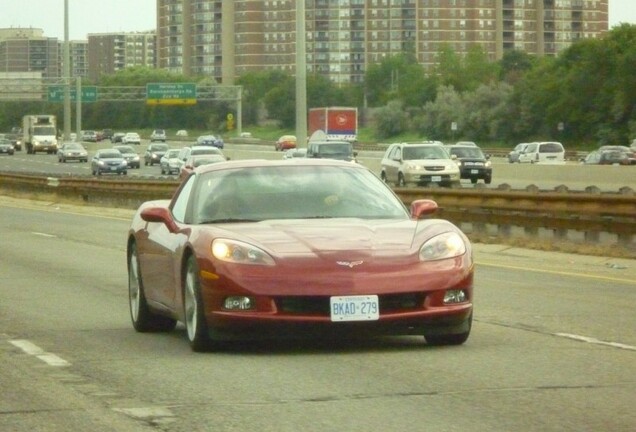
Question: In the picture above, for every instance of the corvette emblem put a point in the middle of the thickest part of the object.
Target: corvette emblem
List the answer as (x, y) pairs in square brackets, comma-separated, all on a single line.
[(350, 264)]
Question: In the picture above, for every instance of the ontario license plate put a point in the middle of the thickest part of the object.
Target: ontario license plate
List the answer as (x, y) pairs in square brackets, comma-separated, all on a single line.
[(436, 178), (113, 168), (355, 308), (474, 171)]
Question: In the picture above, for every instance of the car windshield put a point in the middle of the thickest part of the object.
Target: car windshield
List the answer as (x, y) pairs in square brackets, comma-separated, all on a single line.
[(423, 152), (126, 149), (293, 192), (73, 147), (206, 160), (205, 150), (158, 147), (110, 155), (335, 149), (467, 152), (174, 153)]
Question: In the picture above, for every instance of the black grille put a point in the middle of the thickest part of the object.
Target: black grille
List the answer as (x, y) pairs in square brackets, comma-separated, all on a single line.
[(319, 305)]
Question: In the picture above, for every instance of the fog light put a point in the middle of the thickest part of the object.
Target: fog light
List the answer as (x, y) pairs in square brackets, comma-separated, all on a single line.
[(238, 303), (454, 296)]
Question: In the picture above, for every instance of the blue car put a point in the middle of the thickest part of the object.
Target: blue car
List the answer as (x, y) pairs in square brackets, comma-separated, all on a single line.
[(108, 161), (211, 140)]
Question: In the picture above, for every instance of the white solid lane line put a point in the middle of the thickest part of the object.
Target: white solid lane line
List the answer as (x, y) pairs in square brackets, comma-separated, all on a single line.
[(596, 341)]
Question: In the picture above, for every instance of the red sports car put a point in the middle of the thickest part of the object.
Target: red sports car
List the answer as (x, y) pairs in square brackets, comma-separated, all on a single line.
[(296, 248)]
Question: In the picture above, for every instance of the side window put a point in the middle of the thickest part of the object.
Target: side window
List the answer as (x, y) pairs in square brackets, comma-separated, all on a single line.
[(181, 203)]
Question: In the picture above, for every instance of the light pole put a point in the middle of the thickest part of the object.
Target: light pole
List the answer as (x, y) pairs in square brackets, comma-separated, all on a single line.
[(67, 77), (301, 76)]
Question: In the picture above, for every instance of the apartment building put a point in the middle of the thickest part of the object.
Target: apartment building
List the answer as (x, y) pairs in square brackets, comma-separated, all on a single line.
[(223, 39), (28, 50), (78, 53), (111, 52)]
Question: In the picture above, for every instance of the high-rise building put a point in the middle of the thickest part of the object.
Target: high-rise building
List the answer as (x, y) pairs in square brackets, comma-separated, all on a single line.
[(111, 52), (78, 52), (224, 39), (28, 50)]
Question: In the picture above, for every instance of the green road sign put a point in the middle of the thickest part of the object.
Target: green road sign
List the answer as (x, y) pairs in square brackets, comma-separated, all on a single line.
[(171, 94), (56, 94)]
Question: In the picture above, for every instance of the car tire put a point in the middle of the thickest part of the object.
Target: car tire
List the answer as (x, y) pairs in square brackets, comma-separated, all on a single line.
[(193, 309), (473, 180), (488, 180), (143, 320), (383, 176), (450, 339), (401, 182)]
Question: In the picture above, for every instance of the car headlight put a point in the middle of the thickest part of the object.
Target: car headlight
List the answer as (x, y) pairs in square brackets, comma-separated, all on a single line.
[(124, 163), (488, 164), (237, 252), (136, 158), (442, 246), (459, 163), (100, 163)]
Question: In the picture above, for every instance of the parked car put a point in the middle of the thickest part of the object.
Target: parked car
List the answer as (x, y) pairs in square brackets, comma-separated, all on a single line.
[(108, 161), (158, 135), (271, 249), (89, 136), (198, 160), (131, 138), (72, 151), (473, 163), (131, 156), (295, 153), (154, 152), (406, 164), (170, 162), (6, 147), (550, 152), (340, 150), (285, 142), (117, 137), (513, 156), (210, 140)]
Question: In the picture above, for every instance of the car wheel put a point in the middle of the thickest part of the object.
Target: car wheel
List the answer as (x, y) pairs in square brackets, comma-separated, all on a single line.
[(401, 182), (488, 180), (383, 176), (125, 172), (450, 339), (196, 326), (473, 180), (99, 172), (143, 319)]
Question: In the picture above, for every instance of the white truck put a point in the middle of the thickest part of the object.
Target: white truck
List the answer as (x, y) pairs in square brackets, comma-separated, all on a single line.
[(39, 133)]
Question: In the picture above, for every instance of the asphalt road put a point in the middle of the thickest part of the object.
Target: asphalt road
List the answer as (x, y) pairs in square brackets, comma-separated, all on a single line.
[(575, 176), (553, 348)]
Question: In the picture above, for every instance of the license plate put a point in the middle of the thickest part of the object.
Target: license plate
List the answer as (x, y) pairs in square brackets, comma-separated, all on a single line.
[(355, 308), (474, 171), (436, 178), (113, 168)]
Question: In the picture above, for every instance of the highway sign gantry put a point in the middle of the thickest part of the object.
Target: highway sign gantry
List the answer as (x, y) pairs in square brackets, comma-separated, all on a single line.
[(171, 94)]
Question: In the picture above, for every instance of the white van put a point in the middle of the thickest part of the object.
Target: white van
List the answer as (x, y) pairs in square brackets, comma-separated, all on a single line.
[(547, 152)]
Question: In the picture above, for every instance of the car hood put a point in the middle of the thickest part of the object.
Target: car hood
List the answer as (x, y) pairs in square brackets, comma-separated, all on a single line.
[(332, 237)]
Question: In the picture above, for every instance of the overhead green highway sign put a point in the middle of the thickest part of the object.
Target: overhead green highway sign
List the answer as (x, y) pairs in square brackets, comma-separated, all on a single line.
[(56, 94), (171, 94)]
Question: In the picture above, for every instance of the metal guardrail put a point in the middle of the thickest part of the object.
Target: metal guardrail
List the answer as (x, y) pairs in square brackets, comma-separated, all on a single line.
[(594, 216)]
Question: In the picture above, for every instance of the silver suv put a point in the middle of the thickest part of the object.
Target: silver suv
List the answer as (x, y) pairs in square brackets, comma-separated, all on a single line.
[(158, 135), (419, 164)]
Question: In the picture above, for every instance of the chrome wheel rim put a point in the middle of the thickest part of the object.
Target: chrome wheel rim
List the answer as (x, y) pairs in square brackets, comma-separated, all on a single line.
[(133, 285), (190, 304)]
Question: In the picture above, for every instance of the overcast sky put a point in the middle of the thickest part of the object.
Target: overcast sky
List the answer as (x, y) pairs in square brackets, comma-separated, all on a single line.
[(105, 16)]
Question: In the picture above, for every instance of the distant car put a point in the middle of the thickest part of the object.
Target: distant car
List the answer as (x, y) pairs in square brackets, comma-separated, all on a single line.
[(629, 153), (633, 145), (295, 153), (258, 249), (170, 162), (545, 152), (210, 140), (340, 150), (188, 151), (466, 143), (158, 135), (513, 156), (107, 134), (16, 140), (6, 147), (473, 163), (198, 160), (419, 164), (154, 152), (182, 133), (606, 157), (89, 136), (117, 137), (108, 161), (131, 156), (72, 151), (285, 142), (131, 138)]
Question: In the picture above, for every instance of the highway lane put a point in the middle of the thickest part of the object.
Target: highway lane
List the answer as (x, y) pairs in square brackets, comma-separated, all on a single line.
[(552, 349), (575, 176)]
